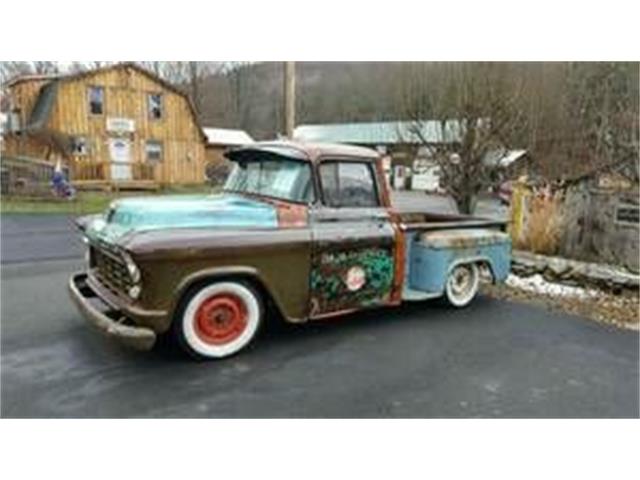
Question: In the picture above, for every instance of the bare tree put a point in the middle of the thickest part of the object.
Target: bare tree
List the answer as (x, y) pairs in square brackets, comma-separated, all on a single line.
[(196, 71), (155, 67), (45, 67), (187, 76), (77, 67), (9, 70), (476, 109), (240, 88), (581, 116), (603, 106)]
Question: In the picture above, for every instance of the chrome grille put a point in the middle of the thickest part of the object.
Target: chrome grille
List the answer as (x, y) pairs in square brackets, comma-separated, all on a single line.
[(110, 270)]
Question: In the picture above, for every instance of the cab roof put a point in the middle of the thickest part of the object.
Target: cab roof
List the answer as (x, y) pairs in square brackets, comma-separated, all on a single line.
[(304, 151)]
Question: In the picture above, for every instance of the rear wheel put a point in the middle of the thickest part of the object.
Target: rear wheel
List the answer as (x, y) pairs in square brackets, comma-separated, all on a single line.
[(219, 319), (462, 284)]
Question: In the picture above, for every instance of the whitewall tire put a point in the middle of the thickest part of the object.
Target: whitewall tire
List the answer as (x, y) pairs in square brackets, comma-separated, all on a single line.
[(219, 319), (462, 284)]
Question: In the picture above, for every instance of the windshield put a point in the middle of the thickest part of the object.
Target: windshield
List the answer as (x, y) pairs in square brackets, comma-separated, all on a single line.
[(281, 178)]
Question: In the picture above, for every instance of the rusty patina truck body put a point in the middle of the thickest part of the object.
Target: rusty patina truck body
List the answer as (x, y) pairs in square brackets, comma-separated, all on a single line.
[(307, 230)]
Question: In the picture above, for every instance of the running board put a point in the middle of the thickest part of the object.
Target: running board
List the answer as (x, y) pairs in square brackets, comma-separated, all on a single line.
[(411, 295)]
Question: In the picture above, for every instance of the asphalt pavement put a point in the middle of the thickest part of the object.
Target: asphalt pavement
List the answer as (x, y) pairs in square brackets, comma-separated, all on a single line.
[(493, 359), (36, 238)]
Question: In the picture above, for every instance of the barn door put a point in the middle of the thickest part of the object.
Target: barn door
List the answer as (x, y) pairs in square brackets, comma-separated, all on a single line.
[(120, 152)]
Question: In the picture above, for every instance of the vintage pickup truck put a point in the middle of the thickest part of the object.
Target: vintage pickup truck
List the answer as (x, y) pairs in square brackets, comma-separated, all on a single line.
[(305, 230)]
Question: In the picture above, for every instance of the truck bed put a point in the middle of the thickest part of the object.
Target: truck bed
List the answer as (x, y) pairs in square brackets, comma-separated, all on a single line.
[(425, 221), (435, 242)]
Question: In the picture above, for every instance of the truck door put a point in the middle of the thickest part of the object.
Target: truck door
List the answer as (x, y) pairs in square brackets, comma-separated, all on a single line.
[(352, 240)]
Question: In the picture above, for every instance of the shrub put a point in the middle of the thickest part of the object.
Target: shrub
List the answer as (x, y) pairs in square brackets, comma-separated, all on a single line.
[(543, 226)]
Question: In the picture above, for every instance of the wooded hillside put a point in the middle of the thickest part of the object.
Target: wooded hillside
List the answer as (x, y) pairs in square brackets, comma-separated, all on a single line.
[(576, 116)]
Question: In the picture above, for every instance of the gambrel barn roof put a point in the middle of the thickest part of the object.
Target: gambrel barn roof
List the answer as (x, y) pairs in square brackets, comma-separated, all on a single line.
[(46, 98)]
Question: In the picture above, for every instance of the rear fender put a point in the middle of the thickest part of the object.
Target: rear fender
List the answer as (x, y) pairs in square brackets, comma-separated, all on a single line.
[(496, 265), (429, 268), (480, 259)]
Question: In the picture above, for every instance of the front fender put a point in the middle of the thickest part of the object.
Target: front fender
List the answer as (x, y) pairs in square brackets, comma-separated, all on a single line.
[(238, 272)]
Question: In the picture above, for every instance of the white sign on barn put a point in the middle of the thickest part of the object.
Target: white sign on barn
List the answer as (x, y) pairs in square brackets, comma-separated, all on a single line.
[(120, 125)]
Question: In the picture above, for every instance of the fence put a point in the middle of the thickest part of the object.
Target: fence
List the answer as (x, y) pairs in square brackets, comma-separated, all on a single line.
[(582, 221), (26, 176)]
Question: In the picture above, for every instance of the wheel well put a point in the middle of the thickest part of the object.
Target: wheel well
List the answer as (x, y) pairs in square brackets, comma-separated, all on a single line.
[(484, 266), (268, 301), (486, 269)]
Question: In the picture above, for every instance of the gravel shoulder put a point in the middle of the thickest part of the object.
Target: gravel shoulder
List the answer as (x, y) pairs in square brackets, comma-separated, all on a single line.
[(620, 308)]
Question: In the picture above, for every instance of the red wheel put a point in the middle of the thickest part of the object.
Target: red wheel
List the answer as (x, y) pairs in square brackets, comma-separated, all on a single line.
[(219, 319)]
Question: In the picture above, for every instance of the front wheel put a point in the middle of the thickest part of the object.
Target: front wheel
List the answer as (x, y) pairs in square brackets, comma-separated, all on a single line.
[(219, 319), (462, 284)]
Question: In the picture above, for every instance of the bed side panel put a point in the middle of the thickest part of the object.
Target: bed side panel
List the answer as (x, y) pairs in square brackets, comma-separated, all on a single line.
[(431, 256)]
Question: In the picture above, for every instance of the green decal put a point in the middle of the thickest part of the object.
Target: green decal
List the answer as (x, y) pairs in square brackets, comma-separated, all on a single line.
[(350, 279)]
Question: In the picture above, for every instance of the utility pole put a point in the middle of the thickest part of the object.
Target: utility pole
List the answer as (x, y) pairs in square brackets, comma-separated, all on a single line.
[(289, 114)]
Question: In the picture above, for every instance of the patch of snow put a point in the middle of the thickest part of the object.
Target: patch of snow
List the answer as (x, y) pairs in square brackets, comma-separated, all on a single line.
[(537, 284)]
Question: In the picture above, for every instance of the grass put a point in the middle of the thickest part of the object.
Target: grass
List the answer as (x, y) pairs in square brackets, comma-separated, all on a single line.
[(543, 226), (85, 202)]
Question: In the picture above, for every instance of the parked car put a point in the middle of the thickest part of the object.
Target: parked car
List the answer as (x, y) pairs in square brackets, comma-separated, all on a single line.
[(307, 230)]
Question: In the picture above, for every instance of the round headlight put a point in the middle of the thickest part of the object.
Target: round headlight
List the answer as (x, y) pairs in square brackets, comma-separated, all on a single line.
[(132, 268), (134, 292), (134, 272)]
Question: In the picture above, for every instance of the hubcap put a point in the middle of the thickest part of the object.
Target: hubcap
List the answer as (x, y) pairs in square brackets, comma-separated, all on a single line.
[(220, 319), (460, 281)]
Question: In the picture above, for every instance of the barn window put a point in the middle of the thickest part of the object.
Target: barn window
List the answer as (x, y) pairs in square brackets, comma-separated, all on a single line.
[(154, 150), (155, 106), (96, 100), (79, 146)]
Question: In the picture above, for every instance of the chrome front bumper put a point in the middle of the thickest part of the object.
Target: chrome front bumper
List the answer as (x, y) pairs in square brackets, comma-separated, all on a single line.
[(107, 319)]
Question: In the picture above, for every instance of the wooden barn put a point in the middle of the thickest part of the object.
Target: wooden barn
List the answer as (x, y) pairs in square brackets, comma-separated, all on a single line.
[(115, 126)]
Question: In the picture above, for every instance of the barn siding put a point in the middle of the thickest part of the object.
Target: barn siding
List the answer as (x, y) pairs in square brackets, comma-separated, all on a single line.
[(31, 147)]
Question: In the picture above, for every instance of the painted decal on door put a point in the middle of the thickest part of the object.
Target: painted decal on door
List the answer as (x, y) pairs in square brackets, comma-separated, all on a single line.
[(351, 279)]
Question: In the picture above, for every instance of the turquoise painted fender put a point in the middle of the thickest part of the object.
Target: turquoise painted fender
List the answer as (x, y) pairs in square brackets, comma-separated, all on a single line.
[(432, 256)]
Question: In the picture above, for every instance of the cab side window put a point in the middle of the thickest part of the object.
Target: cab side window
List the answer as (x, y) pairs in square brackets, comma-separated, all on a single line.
[(348, 184)]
